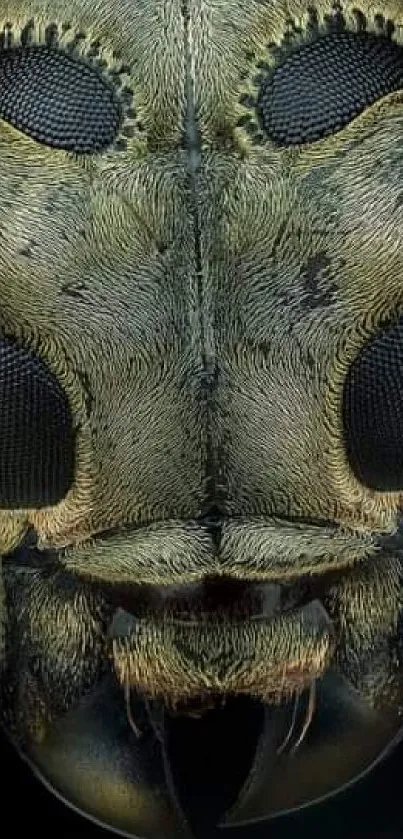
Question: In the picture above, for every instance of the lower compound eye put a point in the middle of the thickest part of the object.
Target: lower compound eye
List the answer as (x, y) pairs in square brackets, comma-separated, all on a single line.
[(373, 411), (36, 436)]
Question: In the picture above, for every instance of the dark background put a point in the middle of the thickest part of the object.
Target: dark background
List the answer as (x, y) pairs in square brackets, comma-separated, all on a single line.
[(373, 808)]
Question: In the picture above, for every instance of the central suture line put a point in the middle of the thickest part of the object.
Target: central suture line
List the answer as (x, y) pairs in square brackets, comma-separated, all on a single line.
[(205, 305)]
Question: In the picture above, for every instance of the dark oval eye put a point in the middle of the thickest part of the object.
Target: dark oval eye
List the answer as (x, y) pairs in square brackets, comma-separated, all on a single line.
[(326, 84), (36, 437), (373, 411), (57, 99)]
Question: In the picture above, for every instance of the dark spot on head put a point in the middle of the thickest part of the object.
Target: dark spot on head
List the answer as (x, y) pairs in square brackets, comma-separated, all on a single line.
[(73, 290), (25, 251), (316, 295), (28, 248)]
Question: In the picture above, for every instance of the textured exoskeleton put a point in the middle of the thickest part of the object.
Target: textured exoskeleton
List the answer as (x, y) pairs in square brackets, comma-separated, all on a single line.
[(201, 411)]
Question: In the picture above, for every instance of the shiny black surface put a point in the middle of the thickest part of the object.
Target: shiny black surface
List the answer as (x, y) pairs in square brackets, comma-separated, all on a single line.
[(372, 809)]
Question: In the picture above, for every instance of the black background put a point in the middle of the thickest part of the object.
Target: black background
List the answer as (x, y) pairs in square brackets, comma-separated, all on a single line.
[(372, 808)]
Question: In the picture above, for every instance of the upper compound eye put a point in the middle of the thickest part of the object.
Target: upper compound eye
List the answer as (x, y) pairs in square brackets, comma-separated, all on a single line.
[(57, 99), (36, 435), (373, 411), (324, 85)]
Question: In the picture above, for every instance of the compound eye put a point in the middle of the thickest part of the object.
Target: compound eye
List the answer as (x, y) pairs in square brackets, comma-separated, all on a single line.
[(373, 411), (325, 84), (36, 436), (57, 99)]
